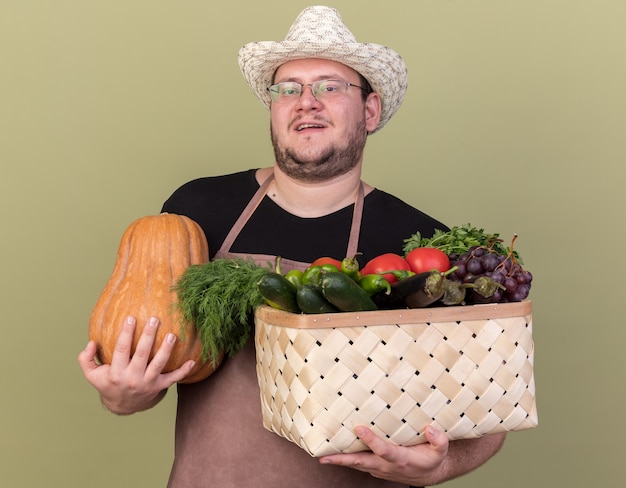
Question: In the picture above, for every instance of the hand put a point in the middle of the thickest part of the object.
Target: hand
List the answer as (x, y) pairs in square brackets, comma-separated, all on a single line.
[(129, 385), (419, 465)]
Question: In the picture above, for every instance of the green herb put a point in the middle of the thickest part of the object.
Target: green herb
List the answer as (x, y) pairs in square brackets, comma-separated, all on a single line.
[(219, 298), (458, 240)]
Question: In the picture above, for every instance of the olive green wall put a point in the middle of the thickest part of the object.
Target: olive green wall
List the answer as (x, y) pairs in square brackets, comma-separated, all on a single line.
[(514, 121)]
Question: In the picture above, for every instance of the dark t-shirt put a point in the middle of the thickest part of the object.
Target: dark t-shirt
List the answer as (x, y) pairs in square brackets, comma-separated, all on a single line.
[(216, 203), (220, 440)]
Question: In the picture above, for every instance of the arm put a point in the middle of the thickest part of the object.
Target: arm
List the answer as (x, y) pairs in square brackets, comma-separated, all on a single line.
[(426, 464), (132, 384), (466, 455)]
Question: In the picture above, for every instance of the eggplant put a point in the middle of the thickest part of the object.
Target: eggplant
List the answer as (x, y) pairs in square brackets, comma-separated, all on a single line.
[(454, 293), (483, 289), (417, 291)]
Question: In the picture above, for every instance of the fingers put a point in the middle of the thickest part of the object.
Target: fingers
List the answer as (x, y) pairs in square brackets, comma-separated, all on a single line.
[(133, 381), (160, 360), (178, 374), (375, 443), (384, 455), (364, 461), (161, 357), (141, 356), (124, 345), (138, 361), (436, 439), (87, 359)]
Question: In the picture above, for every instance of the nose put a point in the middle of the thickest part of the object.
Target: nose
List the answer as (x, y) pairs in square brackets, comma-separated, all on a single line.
[(307, 98)]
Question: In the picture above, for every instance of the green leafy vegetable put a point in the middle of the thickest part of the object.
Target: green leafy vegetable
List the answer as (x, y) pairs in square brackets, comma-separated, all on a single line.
[(458, 240), (219, 298)]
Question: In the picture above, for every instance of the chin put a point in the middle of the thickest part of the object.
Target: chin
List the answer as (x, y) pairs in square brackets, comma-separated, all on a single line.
[(314, 172)]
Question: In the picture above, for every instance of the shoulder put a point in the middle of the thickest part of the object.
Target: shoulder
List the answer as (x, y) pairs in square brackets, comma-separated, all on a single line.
[(241, 179), (388, 221), (214, 202), (212, 189), (386, 207)]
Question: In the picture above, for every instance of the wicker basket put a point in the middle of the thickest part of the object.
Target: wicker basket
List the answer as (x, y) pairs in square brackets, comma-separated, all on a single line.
[(465, 370)]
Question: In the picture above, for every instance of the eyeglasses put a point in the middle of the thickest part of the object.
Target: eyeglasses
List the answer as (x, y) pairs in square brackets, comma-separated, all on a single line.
[(323, 89)]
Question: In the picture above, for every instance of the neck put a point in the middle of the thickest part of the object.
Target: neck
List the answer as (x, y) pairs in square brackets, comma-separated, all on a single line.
[(312, 199)]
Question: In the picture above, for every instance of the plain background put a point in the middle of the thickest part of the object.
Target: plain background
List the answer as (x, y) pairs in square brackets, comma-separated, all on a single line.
[(514, 121)]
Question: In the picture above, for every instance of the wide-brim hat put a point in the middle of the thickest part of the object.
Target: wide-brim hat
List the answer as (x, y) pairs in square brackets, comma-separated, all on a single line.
[(319, 32)]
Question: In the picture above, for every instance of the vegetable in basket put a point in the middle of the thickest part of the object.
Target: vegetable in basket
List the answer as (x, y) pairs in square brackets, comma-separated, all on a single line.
[(420, 290), (480, 258), (220, 297)]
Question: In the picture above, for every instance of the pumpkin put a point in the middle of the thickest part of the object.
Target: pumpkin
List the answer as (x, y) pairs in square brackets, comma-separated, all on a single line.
[(154, 252)]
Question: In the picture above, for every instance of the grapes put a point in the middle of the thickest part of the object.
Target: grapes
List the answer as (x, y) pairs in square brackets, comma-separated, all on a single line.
[(477, 251), (520, 293), (509, 281), (461, 270), (490, 261), (498, 276), (510, 284), (497, 296), (474, 266), (524, 277)]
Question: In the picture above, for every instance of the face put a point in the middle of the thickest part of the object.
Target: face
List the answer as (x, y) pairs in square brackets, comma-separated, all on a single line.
[(318, 140)]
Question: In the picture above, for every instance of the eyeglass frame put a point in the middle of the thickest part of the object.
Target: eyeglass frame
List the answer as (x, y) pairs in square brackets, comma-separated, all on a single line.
[(313, 91)]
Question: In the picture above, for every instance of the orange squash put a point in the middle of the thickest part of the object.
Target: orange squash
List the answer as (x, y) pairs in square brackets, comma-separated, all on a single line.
[(153, 253)]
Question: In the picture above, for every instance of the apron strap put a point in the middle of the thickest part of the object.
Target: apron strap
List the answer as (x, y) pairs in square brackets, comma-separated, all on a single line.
[(245, 215), (353, 240), (355, 230)]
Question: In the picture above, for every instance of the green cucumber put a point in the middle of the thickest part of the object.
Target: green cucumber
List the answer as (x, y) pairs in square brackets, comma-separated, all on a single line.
[(345, 294), (311, 300), (279, 292)]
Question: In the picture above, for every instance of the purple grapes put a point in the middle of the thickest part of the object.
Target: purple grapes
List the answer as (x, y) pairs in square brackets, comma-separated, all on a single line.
[(475, 266), (513, 282)]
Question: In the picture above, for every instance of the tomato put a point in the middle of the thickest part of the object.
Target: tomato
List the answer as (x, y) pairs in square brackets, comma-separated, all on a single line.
[(326, 260), (423, 259), (386, 262)]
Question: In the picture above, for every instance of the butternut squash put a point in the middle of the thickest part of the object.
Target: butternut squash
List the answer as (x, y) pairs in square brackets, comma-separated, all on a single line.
[(153, 253)]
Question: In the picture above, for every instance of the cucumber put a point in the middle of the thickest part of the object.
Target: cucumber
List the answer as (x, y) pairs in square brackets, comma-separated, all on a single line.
[(345, 294), (279, 292), (311, 300)]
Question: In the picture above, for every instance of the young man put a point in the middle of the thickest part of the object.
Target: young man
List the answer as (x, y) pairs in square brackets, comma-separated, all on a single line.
[(326, 93)]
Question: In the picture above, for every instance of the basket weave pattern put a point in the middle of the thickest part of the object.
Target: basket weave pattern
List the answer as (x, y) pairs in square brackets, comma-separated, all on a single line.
[(466, 377)]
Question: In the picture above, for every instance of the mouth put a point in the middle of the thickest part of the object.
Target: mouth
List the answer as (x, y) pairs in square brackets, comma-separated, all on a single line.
[(304, 126)]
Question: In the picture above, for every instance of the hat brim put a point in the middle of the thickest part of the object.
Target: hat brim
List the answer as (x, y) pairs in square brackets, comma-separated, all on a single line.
[(382, 67)]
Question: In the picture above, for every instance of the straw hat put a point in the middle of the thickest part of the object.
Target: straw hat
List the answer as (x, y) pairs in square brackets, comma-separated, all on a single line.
[(319, 32)]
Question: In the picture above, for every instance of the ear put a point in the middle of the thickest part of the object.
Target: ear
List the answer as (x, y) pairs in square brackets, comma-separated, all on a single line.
[(372, 111)]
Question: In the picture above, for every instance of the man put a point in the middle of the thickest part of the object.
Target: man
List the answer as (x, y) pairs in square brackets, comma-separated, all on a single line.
[(326, 93)]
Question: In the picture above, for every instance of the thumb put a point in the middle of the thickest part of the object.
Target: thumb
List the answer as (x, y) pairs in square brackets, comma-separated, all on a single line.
[(437, 439), (87, 358)]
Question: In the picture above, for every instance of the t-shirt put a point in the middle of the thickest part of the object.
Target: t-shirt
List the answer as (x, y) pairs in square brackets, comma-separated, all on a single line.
[(216, 202), (220, 440)]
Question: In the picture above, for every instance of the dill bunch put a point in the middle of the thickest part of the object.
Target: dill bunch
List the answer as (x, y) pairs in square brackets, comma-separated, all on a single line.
[(219, 299)]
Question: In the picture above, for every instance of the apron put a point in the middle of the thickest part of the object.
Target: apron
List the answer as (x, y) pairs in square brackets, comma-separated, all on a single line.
[(285, 264), (221, 446)]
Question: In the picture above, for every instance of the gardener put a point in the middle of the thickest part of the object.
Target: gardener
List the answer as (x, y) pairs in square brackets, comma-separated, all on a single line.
[(326, 93)]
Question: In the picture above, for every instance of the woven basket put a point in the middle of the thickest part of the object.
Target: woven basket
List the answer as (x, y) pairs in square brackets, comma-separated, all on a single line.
[(466, 370)]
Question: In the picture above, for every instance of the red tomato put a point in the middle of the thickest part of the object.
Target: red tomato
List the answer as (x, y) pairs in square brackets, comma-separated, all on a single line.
[(327, 260), (386, 262), (423, 259)]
